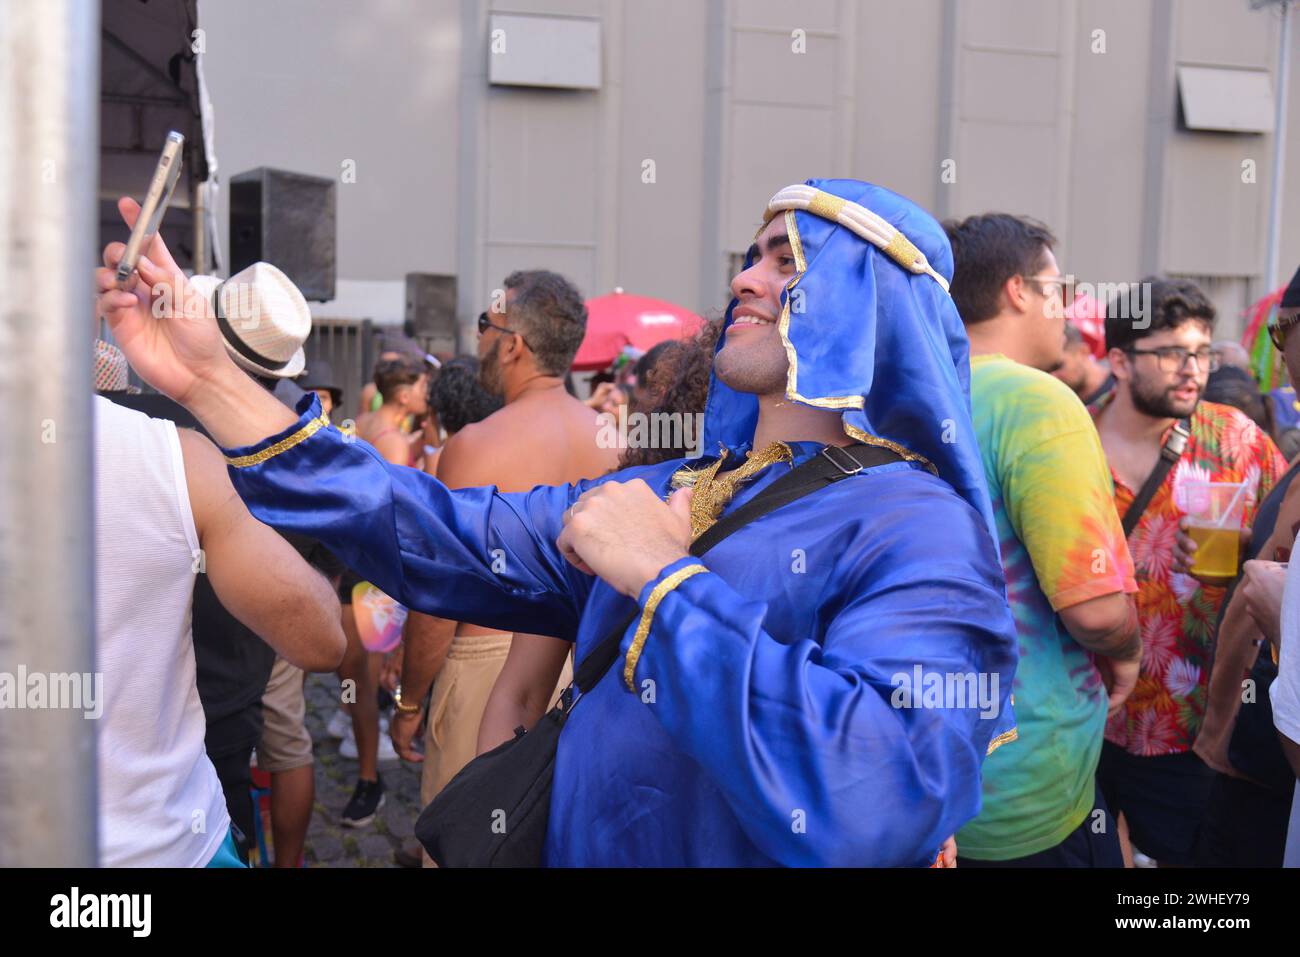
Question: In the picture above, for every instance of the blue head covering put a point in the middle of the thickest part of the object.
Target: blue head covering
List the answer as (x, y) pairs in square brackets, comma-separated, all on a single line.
[(870, 330)]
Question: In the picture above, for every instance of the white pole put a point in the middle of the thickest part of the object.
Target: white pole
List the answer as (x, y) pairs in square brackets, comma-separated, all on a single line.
[(1279, 152), (49, 173)]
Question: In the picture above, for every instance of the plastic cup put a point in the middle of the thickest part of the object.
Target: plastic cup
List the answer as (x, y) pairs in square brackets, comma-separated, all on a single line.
[(1214, 513)]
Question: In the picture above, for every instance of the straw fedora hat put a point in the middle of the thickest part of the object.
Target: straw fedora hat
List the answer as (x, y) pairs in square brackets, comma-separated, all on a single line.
[(263, 317)]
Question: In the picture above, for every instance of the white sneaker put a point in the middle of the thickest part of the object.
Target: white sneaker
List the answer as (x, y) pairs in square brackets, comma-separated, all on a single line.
[(340, 725), (348, 747)]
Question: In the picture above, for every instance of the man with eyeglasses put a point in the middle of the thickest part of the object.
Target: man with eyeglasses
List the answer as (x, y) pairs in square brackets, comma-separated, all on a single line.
[(1069, 575), (1158, 333)]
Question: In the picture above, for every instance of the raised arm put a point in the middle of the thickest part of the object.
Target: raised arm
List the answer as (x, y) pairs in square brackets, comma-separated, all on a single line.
[(258, 576), (470, 555)]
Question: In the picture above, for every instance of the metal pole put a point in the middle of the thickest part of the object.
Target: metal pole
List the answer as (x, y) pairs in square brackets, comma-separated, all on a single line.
[(49, 173), (1279, 151), (200, 210)]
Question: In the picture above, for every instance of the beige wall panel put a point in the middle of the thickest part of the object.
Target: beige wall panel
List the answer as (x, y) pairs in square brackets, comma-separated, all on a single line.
[(557, 8), (1012, 24), (763, 160), (659, 226), (766, 70), (787, 16), (1008, 87), (1215, 224), (896, 96), (540, 163), (576, 265), (1224, 33), (305, 84), (1102, 242), (1001, 169)]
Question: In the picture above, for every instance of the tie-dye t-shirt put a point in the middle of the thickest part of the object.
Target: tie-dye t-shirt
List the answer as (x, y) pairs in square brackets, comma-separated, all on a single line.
[(1061, 544), (1177, 612)]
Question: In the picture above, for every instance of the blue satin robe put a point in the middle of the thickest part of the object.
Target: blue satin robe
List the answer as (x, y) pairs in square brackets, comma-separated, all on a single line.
[(766, 734)]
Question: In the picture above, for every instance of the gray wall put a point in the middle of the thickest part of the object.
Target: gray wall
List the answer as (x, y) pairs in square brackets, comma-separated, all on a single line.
[(457, 176)]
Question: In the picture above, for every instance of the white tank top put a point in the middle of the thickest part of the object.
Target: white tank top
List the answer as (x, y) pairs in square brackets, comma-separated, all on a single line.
[(160, 801)]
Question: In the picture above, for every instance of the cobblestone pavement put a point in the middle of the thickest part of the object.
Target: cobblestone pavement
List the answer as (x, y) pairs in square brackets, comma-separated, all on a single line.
[(328, 844)]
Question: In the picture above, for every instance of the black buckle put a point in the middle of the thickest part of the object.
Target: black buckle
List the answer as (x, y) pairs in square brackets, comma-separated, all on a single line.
[(857, 466)]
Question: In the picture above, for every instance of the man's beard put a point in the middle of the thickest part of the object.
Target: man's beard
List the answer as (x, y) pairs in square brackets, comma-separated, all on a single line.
[(489, 372), (1160, 404), (759, 368)]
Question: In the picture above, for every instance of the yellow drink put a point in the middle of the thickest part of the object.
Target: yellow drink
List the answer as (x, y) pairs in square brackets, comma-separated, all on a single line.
[(1216, 551)]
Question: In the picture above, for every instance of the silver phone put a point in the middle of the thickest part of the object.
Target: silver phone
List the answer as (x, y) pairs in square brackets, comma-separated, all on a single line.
[(165, 175)]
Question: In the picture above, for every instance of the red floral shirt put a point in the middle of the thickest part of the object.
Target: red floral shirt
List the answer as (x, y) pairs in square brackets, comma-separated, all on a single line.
[(1177, 614)]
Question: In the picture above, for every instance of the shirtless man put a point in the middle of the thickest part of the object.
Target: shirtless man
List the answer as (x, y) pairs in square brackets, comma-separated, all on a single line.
[(542, 436)]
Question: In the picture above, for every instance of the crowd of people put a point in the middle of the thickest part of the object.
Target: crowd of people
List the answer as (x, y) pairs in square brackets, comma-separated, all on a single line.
[(997, 624)]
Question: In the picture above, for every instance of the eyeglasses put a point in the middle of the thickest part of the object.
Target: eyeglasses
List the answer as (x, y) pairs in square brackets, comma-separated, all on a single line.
[(484, 324), (1174, 358), (1066, 286), (1277, 331)]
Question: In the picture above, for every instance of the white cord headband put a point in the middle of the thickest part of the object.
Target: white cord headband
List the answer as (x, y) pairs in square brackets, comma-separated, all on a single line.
[(862, 221)]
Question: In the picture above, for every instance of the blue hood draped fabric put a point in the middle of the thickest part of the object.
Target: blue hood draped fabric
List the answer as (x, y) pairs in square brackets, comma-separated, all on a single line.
[(865, 335)]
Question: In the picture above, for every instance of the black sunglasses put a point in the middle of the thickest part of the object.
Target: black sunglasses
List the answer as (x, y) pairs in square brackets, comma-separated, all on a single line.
[(484, 324), (1277, 331)]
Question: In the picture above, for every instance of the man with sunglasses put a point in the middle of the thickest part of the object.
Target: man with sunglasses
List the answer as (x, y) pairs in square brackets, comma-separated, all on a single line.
[(1158, 333), (489, 680)]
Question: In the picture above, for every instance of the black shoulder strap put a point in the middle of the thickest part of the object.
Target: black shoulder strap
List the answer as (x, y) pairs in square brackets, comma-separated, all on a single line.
[(832, 464), (1170, 452)]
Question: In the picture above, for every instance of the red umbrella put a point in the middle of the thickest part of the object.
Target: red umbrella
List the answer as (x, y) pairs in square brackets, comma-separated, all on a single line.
[(618, 320)]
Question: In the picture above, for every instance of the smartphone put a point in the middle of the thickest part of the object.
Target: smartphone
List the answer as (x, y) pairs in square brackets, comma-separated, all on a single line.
[(165, 175)]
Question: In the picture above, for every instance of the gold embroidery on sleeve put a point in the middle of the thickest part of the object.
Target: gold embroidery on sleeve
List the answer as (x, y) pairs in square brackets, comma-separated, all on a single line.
[(647, 618), (306, 432)]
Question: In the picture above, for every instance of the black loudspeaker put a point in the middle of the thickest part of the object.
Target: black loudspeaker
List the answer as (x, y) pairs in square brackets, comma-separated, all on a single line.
[(431, 310), (286, 219)]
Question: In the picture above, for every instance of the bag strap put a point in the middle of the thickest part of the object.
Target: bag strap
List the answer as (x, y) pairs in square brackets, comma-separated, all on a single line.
[(1170, 452), (830, 465)]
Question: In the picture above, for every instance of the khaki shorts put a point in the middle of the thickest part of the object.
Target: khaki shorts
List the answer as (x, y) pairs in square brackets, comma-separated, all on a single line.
[(456, 706), (285, 743)]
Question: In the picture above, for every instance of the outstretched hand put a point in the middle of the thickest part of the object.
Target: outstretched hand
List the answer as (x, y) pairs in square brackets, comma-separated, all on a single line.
[(169, 335)]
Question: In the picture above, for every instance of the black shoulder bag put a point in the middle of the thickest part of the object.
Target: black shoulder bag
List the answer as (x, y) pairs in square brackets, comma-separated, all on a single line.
[(1170, 453), (494, 812)]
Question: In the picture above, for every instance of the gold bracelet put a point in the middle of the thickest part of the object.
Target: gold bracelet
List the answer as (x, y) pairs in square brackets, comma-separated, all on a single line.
[(647, 617), (404, 708)]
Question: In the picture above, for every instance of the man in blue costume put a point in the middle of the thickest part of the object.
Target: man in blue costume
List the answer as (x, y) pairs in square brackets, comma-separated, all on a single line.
[(787, 697)]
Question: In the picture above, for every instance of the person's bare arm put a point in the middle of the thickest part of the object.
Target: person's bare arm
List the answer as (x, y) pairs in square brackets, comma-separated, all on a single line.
[(1236, 647), (524, 688), (258, 576), (1108, 626), (426, 641)]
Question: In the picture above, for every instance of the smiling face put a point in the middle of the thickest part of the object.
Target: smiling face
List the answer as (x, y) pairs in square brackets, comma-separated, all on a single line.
[(752, 357)]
